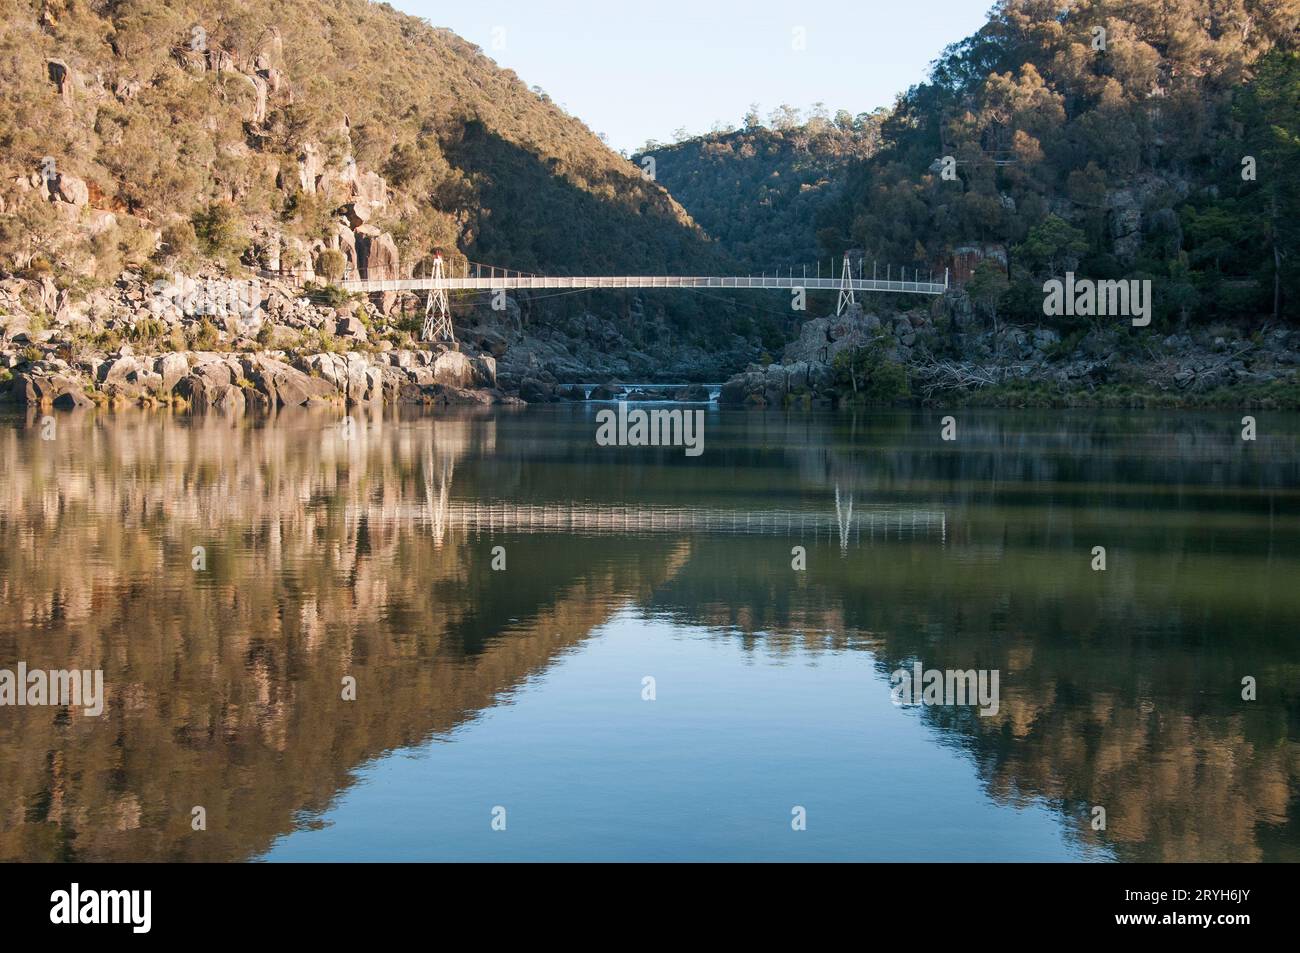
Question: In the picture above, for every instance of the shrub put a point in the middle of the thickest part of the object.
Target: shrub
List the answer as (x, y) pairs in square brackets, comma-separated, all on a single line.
[(107, 340), (220, 231), (866, 375), (179, 240), (147, 331), (205, 336), (330, 265), (331, 296)]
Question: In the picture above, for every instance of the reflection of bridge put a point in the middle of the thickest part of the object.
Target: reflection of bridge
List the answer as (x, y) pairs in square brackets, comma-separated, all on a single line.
[(437, 325), (877, 523)]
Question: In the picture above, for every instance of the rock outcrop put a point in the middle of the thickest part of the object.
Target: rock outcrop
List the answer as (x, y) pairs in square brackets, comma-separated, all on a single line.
[(66, 366), (962, 357)]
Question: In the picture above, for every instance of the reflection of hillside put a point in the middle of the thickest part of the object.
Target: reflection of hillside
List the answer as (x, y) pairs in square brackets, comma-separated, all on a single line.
[(1121, 693), (328, 558), (1094, 456), (225, 686)]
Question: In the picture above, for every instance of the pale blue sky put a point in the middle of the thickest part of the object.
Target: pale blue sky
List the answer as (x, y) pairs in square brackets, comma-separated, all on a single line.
[(641, 70)]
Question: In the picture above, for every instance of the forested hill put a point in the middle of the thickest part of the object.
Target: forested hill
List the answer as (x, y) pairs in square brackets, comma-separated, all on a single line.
[(1155, 139), (759, 190), (267, 132)]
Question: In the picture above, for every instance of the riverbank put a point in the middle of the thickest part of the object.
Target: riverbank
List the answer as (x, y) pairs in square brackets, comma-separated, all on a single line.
[(228, 345), (915, 358), (217, 344)]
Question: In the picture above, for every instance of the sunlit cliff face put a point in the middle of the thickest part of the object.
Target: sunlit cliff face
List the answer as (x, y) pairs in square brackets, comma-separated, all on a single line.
[(369, 558)]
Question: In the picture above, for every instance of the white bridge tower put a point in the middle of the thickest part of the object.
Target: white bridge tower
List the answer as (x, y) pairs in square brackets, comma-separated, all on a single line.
[(846, 286), (437, 312)]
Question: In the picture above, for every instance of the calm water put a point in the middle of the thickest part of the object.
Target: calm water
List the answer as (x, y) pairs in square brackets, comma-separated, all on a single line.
[(522, 688)]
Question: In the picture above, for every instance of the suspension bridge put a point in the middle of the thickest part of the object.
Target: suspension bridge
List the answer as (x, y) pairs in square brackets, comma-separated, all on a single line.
[(849, 282), (867, 525)]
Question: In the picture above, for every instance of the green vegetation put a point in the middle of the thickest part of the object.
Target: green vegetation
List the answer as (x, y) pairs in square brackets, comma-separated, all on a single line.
[(148, 332), (867, 376), (1124, 162), (205, 337), (330, 265), (329, 295), (758, 190), (477, 163), (221, 232)]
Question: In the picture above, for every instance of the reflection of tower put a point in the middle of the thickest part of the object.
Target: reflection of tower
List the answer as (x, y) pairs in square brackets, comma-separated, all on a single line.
[(437, 313), (438, 504), (843, 517)]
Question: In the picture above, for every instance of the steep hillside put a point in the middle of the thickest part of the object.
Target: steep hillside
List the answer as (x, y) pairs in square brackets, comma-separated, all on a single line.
[(759, 190), (267, 133), (1146, 139)]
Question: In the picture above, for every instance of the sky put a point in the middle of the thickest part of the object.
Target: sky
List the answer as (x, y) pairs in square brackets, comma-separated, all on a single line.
[(638, 71)]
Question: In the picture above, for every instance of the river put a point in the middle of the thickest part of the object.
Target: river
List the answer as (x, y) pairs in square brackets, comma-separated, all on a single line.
[(419, 637)]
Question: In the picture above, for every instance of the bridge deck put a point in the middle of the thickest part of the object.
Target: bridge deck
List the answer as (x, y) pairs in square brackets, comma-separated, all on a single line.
[(528, 282), (880, 522)]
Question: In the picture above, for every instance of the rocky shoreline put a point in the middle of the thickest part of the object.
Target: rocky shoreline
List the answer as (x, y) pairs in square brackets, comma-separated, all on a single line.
[(186, 348), (914, 357), (134, 346), (210, 343)]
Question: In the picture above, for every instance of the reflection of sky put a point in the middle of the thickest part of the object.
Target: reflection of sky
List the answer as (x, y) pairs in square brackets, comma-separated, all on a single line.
[(710, 770)]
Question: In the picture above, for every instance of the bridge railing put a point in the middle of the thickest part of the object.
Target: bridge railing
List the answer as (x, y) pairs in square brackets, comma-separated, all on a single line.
[(537, 282)]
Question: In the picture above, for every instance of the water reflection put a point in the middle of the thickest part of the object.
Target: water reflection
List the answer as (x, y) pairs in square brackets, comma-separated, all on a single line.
[(371, 557)]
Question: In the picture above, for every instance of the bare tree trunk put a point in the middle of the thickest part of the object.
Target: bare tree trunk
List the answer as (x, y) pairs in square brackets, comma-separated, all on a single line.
[(1277, 264)]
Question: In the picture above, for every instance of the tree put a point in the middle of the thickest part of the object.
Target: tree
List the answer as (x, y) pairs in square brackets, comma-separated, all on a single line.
[(986, 289), (1054, 246), (330, 265), (1270, 111)]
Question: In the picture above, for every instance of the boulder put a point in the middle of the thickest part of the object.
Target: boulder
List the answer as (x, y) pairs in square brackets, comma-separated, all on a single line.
[(734, 391), (229, 398), (455, 370), (71, 189), (171, 368), (283, 386), (534, 391), (350, 327), (490, 341), (35, 387), (117, 371), (694, 393), (485, 370), (377, 257), (72, 399), (369, 189), (205, 383), (308, 168), (358, 213), (60, 75)]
